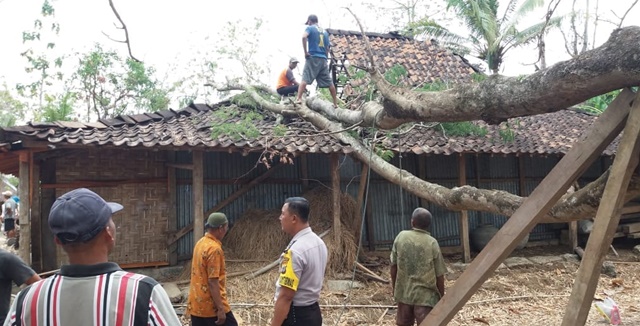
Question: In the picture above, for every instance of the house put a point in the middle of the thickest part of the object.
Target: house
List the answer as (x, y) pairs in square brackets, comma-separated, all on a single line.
[(168, 171)]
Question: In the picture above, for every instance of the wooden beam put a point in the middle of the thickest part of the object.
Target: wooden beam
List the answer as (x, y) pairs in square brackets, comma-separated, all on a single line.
[(180, 166), (36, 225), (99, 183), (362, 189), (464, 215), (304, 172), (198, 195), (235, 195), (606, 221), (48, 197), (25, 208), (573, 234), (172, 216), (555, 184), (335, 198)]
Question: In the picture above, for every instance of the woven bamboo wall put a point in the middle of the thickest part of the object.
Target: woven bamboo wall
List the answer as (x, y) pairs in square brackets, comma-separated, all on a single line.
[(142, 224)]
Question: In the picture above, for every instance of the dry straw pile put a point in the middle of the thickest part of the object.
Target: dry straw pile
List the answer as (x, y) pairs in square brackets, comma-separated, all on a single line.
[(257, 234)]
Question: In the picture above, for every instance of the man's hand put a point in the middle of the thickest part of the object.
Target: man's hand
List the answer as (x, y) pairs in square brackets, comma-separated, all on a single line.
[(222, 317)]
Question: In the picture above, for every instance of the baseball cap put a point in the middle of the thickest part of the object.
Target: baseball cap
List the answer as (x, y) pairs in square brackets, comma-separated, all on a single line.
[(292, 60), (217, 219), (80, 215), (312, 18)]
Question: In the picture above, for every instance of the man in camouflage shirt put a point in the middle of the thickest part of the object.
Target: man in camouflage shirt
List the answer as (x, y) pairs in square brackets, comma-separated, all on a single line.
[(417, 270)]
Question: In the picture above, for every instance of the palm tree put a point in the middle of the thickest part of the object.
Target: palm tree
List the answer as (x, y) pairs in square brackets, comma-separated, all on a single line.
[(490, 36)]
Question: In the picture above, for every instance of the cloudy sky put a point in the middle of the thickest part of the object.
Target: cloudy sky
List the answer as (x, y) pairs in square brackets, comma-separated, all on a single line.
[(165, 33)]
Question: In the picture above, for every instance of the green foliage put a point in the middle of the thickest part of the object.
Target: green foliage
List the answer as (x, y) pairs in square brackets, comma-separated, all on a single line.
[(243, 127), (10, 109), (396, 75), (462, 129), (478, 77), (434, 87), (59, 108), (491, 35), (111, 85), (385, 154), (279, 130), (597, 105), (507, 134)]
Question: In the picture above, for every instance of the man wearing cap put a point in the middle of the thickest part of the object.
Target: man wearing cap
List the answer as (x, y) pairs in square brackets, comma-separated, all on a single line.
[(208, 304), (9, 215), (315, 43), (287, 83), (302, 268), (90, 290)]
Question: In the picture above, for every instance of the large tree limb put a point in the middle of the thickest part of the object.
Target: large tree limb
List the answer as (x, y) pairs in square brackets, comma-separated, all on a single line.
[(578, 205)]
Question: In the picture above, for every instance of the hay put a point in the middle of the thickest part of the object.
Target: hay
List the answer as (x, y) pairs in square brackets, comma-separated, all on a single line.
[(257, 233)]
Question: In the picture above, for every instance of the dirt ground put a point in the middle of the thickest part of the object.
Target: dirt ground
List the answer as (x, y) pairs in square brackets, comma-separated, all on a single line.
[(532, 295)]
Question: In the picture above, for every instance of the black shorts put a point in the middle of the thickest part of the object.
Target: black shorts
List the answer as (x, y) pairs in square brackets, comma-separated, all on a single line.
[(9, 224), (304, 316), (211, 321)]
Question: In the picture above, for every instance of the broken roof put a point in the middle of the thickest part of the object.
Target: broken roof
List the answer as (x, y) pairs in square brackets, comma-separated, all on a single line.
[(425, 61)]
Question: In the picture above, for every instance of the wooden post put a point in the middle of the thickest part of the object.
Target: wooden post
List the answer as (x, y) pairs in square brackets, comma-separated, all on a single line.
[(606, 221), (304, 172), (48, 197), (555, 184), (362, 189), (573, 234), (464, 215), (36, 212), (335, 187), (25, 207), (198, 195), (172, 216)]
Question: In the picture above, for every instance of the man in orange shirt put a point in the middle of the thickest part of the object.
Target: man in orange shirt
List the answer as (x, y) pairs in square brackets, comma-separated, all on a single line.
[(208, 304), (287, 84)]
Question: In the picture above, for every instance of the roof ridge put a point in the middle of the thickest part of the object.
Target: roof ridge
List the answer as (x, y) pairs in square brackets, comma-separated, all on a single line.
[(390, 34)]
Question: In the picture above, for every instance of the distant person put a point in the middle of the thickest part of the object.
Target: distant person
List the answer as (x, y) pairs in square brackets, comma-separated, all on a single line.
[(316, 45), (208, 303), (302, 268), (9, 215), (417, 270), (287, 83), (90, 290), (12, 270)]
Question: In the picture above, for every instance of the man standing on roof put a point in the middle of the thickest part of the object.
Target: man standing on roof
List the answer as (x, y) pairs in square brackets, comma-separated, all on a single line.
[(90, 290), (302, 268), (208, 304), (9, 215), (316, 45), (417, 270), (287, 83)]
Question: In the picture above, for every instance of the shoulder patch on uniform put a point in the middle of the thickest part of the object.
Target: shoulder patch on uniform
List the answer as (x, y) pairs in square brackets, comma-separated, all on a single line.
[(287, 277)]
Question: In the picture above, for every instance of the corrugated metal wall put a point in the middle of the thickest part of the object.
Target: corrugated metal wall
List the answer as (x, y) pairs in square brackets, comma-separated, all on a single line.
[(391, 206)]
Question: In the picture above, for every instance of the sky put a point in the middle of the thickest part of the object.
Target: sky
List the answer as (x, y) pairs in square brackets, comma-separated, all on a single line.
[(166, 34)]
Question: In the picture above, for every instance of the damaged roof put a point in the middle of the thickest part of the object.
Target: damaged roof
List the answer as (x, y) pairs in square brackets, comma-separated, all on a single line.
[(191, 127), (425, 61)]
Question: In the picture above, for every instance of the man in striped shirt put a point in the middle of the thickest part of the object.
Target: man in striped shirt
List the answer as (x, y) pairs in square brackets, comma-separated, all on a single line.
[(90, 290)]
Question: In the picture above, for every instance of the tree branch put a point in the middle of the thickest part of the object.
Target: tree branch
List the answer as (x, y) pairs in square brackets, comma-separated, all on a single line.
[(626, 13), (126, 31)]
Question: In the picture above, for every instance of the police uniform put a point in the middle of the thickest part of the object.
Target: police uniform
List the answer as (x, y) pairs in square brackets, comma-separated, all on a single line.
[(302, 269)]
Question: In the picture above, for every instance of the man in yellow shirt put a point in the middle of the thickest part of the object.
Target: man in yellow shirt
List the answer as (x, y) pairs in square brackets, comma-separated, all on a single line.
[(287, 84), (208, 304)]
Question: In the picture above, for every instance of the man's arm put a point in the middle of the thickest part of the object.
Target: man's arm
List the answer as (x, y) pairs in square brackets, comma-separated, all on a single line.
[(282, 306), (440, 285), (161, 310), (20, 273), (394, 274), (305, 36), (214, 289), (291, 77)]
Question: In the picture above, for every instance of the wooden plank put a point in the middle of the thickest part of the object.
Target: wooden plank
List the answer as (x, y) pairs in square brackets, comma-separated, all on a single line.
[(335, 198), (362, 189), (99, 183), (553, 186), (25, 210), (573, 234), (630, 209), (633, 236), (172, 216), (606, 221), (304, 172), (48, 197), (180, 166), (144, 265), (464, 215), (198, 195), (235, 195), (631, 228)]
